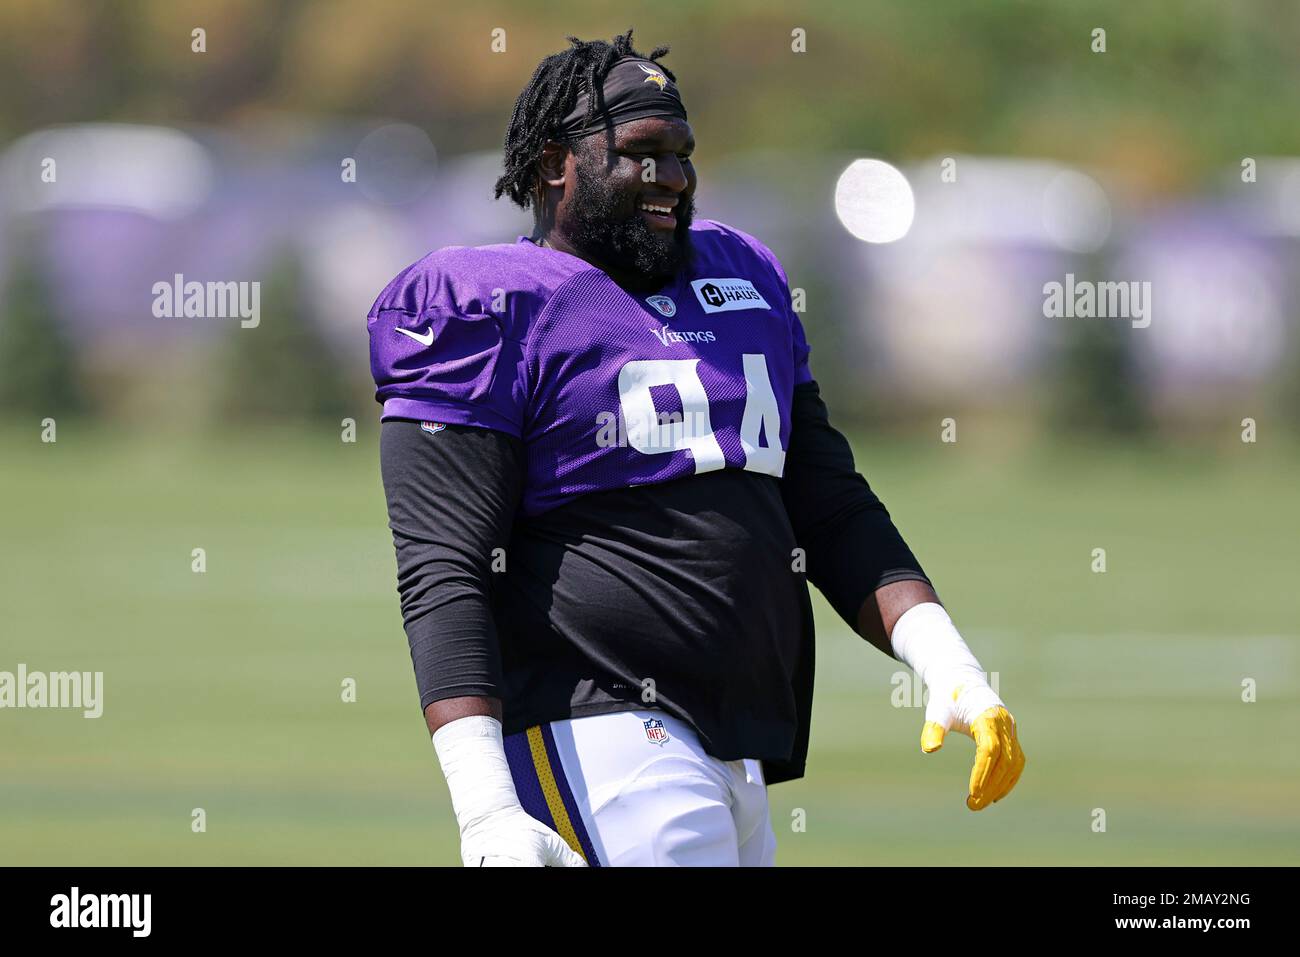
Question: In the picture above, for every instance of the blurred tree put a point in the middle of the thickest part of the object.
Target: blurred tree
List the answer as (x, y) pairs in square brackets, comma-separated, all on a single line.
[(281, 369), (1095, 385), (38, 369), (1097, 389), (1286, 383)]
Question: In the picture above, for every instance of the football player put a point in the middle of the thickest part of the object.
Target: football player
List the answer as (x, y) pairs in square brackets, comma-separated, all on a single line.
[(610, 476)]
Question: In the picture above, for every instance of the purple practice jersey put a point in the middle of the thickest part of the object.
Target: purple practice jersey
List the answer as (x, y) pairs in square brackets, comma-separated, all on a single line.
[(606, 389)]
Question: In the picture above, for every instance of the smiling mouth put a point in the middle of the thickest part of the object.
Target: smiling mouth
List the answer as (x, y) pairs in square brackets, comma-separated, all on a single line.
[(658, 214)]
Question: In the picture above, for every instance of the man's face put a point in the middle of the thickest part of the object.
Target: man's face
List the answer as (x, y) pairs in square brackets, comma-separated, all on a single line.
[(606, 215)]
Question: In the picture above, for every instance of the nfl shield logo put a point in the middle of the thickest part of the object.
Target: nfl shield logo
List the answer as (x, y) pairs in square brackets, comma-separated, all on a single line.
[(655, 732), (664, 305), (433, 428)]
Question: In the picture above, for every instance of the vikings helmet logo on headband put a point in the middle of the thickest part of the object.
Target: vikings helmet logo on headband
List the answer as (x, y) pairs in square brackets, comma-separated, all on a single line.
[(654, 76)]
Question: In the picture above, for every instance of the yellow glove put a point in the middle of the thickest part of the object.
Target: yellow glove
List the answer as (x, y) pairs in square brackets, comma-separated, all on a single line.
[(998, 756)]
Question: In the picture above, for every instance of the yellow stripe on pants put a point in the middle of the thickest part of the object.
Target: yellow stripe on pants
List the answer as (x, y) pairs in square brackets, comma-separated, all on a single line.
[(546, 777)]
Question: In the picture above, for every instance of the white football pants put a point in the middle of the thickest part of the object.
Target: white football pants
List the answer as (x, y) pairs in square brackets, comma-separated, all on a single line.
[(635, 788)]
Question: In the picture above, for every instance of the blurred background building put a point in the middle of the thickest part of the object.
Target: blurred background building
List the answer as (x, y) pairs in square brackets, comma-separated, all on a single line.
[(1027, 155)]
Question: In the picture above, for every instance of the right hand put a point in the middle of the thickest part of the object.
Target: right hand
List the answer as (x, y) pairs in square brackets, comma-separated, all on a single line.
[(509, 837)]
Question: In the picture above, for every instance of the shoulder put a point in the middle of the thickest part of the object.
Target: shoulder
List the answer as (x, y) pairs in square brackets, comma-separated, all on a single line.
[(447, 334), (720, 244), (509, 280)]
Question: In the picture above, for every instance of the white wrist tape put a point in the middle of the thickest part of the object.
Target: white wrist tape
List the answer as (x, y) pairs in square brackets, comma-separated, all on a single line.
[(473, 759), (925, 638)]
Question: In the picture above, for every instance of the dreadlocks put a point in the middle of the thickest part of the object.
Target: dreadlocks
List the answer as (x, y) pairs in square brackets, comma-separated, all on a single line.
[(548, 97)]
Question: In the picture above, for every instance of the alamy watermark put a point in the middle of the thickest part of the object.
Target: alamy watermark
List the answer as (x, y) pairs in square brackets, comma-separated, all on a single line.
[(653, 432), (1083, 299), (82, 690), (910, 692), (179, 299), (130, 911)]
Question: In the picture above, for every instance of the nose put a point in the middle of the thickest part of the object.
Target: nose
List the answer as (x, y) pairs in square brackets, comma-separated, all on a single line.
[(671, 174)]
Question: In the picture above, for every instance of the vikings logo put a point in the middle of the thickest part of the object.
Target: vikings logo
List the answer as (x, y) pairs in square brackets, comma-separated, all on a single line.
[(654, 76)]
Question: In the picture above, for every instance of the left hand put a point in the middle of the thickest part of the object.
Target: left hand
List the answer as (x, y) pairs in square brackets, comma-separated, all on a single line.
[(974, 709)]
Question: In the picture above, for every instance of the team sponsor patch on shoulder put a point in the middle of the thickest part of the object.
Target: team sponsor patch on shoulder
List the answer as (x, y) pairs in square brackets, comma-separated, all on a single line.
[(655, 732), (433, 428), (728, 295)]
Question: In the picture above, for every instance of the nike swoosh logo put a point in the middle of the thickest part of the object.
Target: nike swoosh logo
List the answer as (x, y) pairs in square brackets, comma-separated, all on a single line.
[(424, 339)]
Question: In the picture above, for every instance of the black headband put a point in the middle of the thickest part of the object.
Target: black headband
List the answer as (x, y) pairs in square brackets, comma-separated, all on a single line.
[(633, 89)]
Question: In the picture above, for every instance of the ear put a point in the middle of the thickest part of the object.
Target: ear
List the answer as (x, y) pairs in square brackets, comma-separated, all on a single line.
[(551, 166)]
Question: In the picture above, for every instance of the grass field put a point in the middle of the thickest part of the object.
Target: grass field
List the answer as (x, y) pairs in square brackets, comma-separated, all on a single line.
[(222, 689)]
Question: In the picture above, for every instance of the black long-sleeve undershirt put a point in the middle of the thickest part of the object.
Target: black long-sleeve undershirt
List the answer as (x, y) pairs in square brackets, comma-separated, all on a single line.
[(453, 497), (852, 545)]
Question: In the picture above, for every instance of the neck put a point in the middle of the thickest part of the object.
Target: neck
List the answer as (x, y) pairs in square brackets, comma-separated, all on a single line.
[(631, 281)]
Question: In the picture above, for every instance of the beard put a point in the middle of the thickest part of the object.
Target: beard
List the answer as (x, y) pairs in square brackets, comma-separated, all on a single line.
[(600, 227)]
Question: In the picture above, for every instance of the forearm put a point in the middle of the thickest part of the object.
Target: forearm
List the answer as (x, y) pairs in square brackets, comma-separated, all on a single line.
[(448, 710), (882, 609), (927, 641), (855, 555)]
